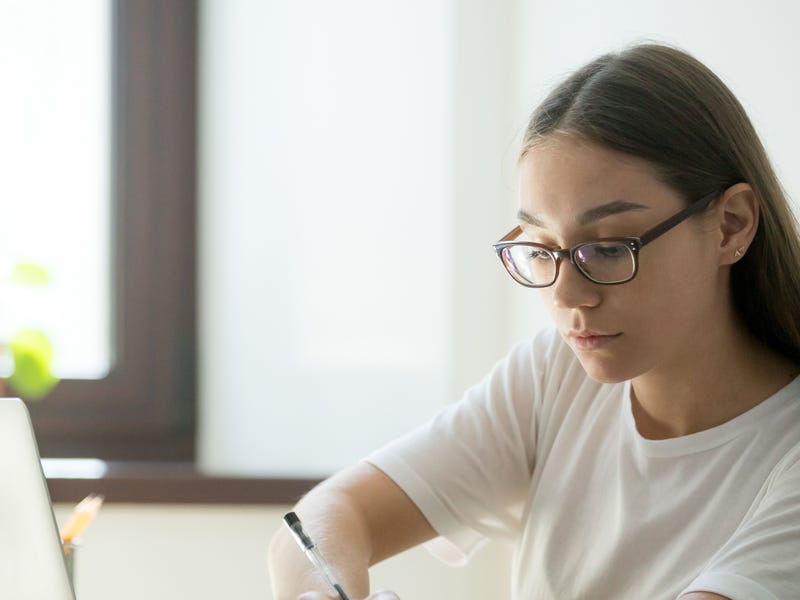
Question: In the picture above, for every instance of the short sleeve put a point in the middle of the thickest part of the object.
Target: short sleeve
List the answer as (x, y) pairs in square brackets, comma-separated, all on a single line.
[(469, 469), (761, 561)]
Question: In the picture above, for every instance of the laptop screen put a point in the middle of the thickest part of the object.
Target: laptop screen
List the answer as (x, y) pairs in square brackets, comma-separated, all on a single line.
[(31, 560)]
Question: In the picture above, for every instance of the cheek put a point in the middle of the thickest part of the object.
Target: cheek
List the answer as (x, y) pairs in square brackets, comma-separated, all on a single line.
[(684, 276), (671, 298)]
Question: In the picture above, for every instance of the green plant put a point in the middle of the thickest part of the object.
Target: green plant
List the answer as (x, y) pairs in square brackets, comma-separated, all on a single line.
[(29, 349)]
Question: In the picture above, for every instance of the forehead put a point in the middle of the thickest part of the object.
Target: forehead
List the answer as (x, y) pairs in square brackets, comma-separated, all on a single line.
[(564, 176)]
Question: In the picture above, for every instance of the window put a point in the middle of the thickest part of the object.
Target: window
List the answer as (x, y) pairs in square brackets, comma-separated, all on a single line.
[(54, 116), (143, 407)]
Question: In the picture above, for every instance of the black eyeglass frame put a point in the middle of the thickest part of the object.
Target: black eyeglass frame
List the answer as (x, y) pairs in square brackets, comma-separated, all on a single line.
[(633, 243)]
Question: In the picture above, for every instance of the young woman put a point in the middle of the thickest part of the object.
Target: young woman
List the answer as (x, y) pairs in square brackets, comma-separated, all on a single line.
[(649, 445)]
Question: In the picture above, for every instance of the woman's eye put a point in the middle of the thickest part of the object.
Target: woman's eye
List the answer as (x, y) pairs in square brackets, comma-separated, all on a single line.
[(538, 254), (610, 251)]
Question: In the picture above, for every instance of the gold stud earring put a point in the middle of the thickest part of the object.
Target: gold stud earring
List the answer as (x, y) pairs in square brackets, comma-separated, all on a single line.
[(739, 252)]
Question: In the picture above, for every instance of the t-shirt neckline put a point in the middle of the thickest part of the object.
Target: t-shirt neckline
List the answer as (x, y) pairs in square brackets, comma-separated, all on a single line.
[(708, 438)]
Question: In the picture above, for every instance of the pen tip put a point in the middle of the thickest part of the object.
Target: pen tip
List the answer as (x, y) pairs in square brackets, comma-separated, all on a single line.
[(291, 518)]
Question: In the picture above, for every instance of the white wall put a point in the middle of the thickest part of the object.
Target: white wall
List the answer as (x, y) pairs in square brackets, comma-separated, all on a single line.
[(351, 167)]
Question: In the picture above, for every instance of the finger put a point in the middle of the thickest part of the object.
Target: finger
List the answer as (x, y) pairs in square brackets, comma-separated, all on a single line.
[(384, 595), (315, 596)]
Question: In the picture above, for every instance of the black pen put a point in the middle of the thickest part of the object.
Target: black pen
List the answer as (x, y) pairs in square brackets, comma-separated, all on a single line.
[(313, 553)]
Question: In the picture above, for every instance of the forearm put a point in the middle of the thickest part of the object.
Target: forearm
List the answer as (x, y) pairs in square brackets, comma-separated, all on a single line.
[(357, 518), (339, 530)]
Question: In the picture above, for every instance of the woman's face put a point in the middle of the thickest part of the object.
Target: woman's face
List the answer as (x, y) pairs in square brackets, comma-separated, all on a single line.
[(573, 191)]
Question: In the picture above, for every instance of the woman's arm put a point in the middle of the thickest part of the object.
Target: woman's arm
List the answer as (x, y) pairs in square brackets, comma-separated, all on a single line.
[(358, 517)]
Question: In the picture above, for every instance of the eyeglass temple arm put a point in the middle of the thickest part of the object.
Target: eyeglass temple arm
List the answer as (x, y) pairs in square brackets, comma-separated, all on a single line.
[(695, 207), (511, 235)]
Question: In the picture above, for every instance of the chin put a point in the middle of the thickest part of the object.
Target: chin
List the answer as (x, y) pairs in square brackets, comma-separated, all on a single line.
[(606, 370)]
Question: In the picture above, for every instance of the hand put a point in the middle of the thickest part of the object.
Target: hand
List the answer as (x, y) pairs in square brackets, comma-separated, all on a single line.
[(383, 595)]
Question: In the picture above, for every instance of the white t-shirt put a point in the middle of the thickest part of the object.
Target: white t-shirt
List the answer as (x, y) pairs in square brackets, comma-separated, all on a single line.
[(541, 455)]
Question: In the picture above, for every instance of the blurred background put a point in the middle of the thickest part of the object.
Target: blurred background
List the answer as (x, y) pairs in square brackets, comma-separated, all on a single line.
[(266, 229)]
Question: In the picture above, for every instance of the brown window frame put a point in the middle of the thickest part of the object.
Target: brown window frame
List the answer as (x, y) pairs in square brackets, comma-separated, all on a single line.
[(145, 408)]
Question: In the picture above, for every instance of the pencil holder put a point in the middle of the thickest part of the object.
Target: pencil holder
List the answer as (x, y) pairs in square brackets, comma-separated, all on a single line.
[(69, 558)]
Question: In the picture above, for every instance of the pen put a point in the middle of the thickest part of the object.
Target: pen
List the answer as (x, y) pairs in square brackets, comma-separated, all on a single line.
[(81, 516), (313, 553)]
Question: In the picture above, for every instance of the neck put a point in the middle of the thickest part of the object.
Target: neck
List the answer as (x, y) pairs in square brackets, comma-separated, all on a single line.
[(716, 380)]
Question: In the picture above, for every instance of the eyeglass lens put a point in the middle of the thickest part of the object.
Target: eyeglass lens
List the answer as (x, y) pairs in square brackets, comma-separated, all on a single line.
[(606, 262), (602, 262), (530, 265)]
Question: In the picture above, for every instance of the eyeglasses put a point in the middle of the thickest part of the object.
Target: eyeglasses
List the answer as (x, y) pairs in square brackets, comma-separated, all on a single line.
[(609, 261)]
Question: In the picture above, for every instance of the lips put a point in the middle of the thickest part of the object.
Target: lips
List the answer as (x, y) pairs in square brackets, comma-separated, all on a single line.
[(591, 340)]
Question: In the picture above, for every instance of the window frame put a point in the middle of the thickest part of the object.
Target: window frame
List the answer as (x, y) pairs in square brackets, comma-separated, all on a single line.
[(145, 409)]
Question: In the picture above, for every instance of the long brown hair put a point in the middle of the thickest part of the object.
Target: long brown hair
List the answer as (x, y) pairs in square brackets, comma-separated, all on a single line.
[(659, 103)]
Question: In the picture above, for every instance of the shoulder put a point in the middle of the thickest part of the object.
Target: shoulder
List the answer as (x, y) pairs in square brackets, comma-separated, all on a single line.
[(546, 376), (779, 451), (544, 354), (560, 375), (785, 476), (534, 368)]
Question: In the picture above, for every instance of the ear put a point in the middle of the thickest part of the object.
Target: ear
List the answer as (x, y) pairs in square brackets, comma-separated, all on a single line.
[(738, 214)]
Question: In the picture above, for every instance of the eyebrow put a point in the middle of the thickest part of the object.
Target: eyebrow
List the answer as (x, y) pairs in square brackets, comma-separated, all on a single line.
[(593, 214)]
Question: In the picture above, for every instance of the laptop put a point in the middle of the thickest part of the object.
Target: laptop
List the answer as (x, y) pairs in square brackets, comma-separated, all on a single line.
[(32, 563)]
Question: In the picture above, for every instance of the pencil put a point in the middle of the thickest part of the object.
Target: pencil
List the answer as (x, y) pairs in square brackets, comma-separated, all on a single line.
[(81, 516)]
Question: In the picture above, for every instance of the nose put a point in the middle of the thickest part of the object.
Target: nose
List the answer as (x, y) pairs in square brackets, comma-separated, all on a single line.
[(572, 290)]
